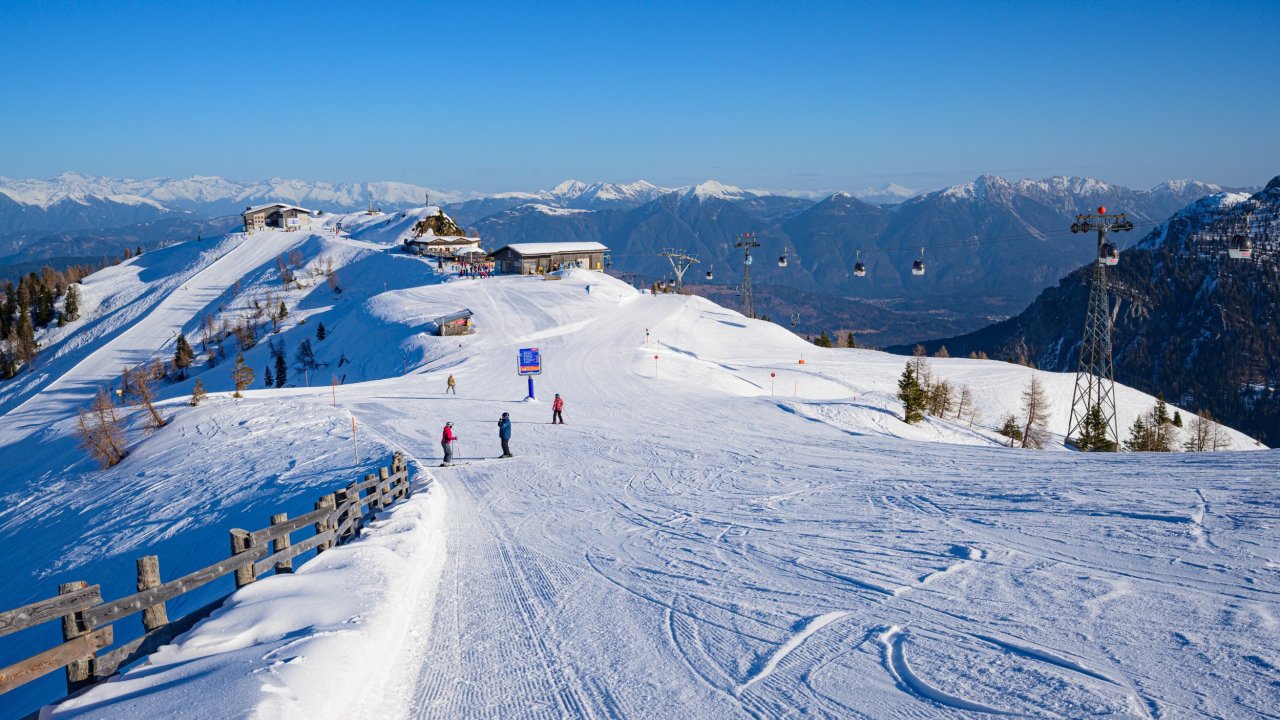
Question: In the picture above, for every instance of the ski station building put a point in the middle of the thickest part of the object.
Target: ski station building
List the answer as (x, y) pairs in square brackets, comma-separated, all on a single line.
[(274, 215), (439, 236), (531, 258)]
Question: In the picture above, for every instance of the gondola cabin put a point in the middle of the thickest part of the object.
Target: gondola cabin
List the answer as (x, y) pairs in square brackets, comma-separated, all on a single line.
[(860, 270), (1108, 254), (1241, 247), (710, 275), (782, 261), (917, 267)]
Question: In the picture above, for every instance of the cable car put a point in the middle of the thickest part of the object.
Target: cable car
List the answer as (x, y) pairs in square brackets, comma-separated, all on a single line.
[(917, 267), (795, 319), (782, 259), (710, 275), (1241, 247), (1108, 255), (858, 268)]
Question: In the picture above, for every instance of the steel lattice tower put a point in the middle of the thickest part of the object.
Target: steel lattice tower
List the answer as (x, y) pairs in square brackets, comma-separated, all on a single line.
[(680, 261), (1095, 373), (746, 242)]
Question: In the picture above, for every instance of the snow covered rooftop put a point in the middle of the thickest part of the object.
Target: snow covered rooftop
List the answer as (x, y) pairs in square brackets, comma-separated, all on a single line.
[(282, 206), (551, 248)]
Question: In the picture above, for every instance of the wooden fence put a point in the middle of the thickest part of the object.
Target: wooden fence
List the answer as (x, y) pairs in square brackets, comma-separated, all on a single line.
[(87, 621)]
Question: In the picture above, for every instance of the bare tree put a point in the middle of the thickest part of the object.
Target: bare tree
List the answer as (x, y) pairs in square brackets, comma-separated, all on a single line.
[(965, 403), (139, 385), (941, 398), (101, 431), (1035, 408)]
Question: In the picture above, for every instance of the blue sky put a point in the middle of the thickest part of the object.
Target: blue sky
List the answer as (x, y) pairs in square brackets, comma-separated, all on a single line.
[(499, 96)]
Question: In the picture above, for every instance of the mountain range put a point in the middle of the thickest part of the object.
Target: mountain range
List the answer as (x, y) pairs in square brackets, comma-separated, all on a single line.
[(1190, 321), (990, 244)]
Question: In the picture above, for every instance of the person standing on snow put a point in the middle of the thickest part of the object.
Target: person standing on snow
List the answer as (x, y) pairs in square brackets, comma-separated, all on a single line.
[(504, 434), (452, 386), (588, 289), (446, 441), (557, 410)]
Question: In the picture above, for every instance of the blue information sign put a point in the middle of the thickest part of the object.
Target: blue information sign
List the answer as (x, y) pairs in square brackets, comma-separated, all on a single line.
[(530, 361)]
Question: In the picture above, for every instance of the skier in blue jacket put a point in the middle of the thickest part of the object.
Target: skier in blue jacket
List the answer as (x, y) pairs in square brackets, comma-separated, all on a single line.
[(504, 434)]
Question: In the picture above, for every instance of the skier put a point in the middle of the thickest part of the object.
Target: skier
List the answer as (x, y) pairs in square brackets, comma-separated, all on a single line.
[(504, 434), (446, 441), (588, 289), (453, 386), (557, 410)]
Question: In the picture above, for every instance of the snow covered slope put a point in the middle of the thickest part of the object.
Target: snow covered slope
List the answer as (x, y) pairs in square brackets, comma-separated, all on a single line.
[(700, 540)]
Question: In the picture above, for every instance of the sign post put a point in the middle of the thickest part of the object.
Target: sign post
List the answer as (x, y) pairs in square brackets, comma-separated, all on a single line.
[(530, 364)]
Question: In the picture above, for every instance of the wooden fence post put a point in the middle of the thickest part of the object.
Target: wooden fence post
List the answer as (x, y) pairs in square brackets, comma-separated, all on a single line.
[(241, 542), (402, 466), (79, 672), (355, 511), (329, 522), (155, 616), (280, 543), (385, 496)]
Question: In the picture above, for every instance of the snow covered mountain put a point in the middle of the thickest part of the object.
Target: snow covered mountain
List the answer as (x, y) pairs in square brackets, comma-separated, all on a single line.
[(886, 194), (102, 201), (750, 535)]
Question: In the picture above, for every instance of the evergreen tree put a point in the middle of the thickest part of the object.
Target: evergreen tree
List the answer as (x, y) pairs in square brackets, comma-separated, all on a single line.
[(283, 312), (912, 396), (823, 340), (305, 358), (26, 346), (267, 380), (197, 392), (1177, 419), (1011, 430), (242, 376), (1139, 437), (282, 368), (183, 356), (321, 332), (1093, 433), (1160, 424), (850, 342)]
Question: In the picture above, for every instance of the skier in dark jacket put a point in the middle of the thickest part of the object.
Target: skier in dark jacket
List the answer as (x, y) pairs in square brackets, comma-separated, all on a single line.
[(504, 434)]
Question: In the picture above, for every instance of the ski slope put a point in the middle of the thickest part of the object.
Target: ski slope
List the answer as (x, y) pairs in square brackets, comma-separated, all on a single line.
[(700, 540)]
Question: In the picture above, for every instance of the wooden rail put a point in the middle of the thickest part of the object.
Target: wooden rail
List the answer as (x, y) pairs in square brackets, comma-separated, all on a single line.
[(87, 621)]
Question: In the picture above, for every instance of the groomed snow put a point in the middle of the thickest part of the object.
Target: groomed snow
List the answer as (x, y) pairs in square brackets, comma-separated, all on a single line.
[(700, 540)]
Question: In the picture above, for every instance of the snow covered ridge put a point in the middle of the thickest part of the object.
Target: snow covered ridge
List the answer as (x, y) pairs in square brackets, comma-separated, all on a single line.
[(747, 534)]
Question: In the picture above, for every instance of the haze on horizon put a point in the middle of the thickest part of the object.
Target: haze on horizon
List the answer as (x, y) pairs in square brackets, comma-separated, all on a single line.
[(516, 97)]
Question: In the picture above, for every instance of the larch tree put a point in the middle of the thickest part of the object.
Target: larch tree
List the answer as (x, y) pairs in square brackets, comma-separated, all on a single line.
[(242, 376), (1035, 411), (139, 384), (197, 392), (101, 431)]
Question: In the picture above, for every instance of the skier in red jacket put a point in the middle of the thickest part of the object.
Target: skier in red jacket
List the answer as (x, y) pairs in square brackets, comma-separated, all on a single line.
[(446, 441), (557, 410)]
